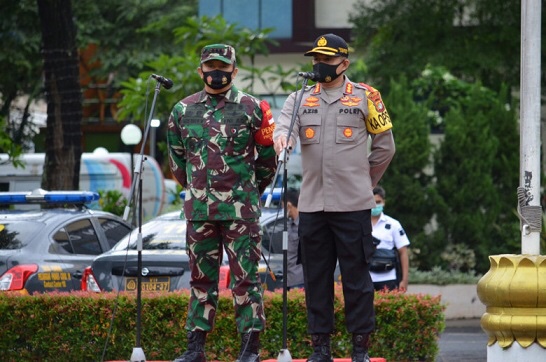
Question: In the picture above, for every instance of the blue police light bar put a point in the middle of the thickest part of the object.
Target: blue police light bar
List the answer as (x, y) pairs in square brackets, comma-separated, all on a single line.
[(40, 196), (276, 196), (13, 197)]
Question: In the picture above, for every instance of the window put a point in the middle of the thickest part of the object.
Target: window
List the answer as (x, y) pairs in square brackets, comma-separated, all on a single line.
[(62, 243), (255, 15), (84, 238), (114, 230), (272, 236)]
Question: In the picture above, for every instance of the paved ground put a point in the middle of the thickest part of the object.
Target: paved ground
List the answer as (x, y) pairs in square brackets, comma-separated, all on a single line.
[(463, 340)]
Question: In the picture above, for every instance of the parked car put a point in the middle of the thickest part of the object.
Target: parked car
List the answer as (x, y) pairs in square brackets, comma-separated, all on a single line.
[(165, 264), (47, 249)]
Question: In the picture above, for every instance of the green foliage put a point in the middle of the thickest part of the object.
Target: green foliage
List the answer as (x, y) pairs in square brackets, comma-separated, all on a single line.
[(409, 195), (130, 34), (112, 201), (475, 169), (80, 325), (20, 33), (439, 276), (12, 149), (191, 36), (459, 257), (406, 326), (459, 195), (473, 38)]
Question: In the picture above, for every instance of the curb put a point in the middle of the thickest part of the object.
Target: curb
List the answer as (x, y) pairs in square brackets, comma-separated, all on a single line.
[(372, 359)]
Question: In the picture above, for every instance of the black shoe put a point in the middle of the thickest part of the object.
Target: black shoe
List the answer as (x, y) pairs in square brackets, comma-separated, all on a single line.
[(196, 348), (320, 357), (248, 357), (321, 348), (360, 357), (360, 348), (250, 347), (190, 356)]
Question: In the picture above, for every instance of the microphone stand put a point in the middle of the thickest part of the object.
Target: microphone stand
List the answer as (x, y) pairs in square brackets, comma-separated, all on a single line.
[(138, 354), (284, 354)]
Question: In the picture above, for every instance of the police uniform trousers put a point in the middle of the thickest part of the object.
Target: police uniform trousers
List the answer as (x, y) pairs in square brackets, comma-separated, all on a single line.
[(325, 238)]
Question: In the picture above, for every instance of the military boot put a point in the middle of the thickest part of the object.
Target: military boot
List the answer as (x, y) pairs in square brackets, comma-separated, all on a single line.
[(250, 347), (196, 348), (321, 348), (360, 348)]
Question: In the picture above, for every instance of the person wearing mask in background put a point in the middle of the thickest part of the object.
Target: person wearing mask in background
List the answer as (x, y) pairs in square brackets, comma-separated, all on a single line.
[(221, 151), (334, 123), (295, 269), (391, 235)]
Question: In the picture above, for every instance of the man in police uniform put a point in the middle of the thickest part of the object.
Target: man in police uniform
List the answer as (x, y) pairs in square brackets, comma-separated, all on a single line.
[(221, 150), (333, 124)]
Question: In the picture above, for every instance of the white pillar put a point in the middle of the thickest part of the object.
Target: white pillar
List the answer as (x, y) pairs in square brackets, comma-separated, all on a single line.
[(530, 145)]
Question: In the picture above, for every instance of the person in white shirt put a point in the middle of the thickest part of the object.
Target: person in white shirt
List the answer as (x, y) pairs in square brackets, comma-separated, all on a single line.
[(390, 234)]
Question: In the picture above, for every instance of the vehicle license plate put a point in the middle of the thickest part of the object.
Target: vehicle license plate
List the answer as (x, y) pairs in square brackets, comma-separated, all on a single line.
[(149, 284)]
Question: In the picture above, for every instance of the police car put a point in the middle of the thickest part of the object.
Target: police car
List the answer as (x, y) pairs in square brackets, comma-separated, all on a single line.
[(47, 239)]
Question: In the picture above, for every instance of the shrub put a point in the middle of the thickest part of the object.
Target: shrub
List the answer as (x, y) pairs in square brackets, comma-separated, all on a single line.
[(439, 276), (78, 326)]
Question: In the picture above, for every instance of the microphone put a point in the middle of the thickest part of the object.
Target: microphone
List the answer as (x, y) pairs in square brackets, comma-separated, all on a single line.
[(309, 75), (166, 82)]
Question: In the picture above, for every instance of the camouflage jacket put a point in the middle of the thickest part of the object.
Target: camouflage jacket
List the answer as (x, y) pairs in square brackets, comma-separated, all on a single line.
[(221, 152)]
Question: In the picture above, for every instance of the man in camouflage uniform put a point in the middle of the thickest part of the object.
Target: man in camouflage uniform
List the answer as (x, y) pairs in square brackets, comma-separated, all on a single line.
[(221, 151)]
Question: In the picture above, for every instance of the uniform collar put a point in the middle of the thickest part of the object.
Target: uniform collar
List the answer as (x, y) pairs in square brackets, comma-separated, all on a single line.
[(347, 87), (230, 96)]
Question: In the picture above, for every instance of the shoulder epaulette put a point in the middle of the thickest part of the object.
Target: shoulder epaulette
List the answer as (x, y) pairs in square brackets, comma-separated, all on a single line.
[(365, 86)]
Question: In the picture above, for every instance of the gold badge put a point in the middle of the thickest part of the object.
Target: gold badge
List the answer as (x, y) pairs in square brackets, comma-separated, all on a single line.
[(347, 132), (309, 133), (322, 42)]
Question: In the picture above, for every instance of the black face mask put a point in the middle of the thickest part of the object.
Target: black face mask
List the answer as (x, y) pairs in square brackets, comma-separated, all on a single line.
[(217, 79), (326, 72)]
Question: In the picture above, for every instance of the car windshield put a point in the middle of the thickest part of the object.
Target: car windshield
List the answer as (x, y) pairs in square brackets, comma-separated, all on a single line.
[(157, 235), (16, 235)]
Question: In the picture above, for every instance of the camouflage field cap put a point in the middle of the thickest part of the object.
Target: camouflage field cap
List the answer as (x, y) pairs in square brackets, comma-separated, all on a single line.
[(222, 52), (329, 44)]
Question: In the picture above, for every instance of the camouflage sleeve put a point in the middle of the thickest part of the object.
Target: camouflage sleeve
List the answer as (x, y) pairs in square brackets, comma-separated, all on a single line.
[(266, 160), (177, 152)]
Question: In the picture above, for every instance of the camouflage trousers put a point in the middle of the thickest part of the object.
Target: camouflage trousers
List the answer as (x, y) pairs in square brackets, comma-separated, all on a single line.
[(242, 243)]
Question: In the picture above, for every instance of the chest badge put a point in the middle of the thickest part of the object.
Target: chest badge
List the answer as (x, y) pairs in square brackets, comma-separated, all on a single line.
[(350, 101), (311, 102), (347, 132), (309, 133)]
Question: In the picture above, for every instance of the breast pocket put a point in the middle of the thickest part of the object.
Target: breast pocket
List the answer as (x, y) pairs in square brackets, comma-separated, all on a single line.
[(348, 126), (310, 130)]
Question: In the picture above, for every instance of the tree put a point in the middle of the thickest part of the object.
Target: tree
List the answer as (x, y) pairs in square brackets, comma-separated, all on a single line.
[(407, 181), (477, 40), (475, 167), (111, 24), (22, 71), (64, 97), (191, 36)]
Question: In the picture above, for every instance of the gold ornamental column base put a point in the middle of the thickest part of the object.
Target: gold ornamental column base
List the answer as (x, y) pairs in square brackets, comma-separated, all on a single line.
[(514, 293)]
